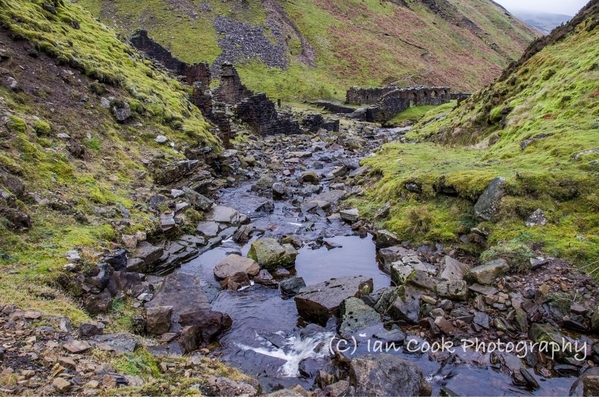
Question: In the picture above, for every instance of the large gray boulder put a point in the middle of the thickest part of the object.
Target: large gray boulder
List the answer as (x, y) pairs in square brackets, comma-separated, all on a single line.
[(228, 215), (233, 264), (487, 273), (270, 254), (456, 289), (317, 303), (386, 375), (487, 204)]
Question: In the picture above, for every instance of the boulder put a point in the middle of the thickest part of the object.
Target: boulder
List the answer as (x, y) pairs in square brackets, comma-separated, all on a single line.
[(238, 280), (149, 255), (310, 177), (265, 278), (234, 264), (317, 303), (208, 228), (406, 305), (452, 269), (384, 238), (487, 273), (158, 319), (197, 201), (457, 289), (228, 215), (351, 215), (181, 291), (291, 287), (387, 375), (487, 204), (208, 324), (98, 303), (355, 316), (270, 254), (587, 384)]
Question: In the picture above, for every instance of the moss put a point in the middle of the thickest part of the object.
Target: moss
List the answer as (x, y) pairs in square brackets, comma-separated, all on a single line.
[(16, 125), (42, 128)]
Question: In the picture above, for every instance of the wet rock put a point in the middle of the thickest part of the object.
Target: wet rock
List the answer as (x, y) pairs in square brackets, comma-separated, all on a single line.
[(587, 384), (388, 255), (445, 326), (234, 264), (290, 287), (208, 324), (487, 204), (355, 316), (270, 254), (279, 190), (387, 375), (384, 238), (295, 391), (406, 305), (237, 280), (310, 177), (394, 336), (223, 214), (265, 208), (351, 215), (209, 229), (330, 197), (451, 269), (158, 319), (481, 319), (242, 234), (487, 273), (536, 219), (265, 278), (198, 201), (457, 289), (337, 389), (317, 303), (149, 255)]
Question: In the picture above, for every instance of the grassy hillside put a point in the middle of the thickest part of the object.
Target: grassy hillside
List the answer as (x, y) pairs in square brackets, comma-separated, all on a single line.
[(66, 164), (537, 126), (329, 45)]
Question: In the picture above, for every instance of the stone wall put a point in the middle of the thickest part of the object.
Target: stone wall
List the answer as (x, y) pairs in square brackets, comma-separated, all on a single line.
[(199, 72), (259, 113), (389, 101), (231, 91)]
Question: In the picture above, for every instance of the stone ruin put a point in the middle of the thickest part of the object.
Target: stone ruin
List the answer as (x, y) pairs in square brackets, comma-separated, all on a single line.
[(255, 110), (386, 102)]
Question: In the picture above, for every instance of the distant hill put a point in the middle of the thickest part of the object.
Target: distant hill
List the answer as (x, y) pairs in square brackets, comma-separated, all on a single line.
[(543, 21), (318, 48)]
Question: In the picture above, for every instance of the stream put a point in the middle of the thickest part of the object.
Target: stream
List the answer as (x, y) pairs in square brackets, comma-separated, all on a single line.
[(269, 340)]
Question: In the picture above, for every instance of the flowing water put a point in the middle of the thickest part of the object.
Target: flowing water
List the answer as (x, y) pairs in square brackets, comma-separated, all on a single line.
[(269, 340)]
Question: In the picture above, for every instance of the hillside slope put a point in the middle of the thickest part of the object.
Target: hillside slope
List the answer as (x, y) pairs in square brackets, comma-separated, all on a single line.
[(537, 126), (79, 116), (318, 48)]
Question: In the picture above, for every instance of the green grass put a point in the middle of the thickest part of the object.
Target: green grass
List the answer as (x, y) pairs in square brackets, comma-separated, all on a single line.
[(415, 113), (79, 200), (554, 93)]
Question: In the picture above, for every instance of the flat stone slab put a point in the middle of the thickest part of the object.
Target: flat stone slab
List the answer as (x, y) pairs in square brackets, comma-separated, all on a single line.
[(181, 291), (317, 303), (236, 264)]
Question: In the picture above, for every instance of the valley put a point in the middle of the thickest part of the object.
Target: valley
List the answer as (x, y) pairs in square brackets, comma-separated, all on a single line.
[(281, 209)]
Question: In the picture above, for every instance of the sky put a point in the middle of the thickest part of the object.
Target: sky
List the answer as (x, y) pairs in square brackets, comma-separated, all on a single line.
[(567, 7)]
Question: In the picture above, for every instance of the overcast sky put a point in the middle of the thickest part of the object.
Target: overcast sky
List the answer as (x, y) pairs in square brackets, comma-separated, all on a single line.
[(567, 7)]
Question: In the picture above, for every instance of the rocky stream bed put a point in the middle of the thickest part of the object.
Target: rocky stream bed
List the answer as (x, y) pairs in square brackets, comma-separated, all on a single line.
[(285, 283)]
